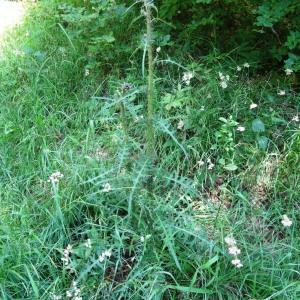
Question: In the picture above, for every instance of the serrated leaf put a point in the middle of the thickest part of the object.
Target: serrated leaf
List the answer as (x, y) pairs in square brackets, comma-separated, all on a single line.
[(262, 142), (258, 125)]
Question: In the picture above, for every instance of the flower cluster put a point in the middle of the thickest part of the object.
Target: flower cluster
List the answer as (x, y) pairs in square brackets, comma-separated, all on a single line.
[(288, 72), (106, 253), (66, 257), (286, 222), (224, 80), (234, 251), (74, 292), (201, 163), (187, 77), (295, 118), (54, 178)]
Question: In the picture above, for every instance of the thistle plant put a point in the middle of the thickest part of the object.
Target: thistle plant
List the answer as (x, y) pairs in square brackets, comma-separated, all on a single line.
[(148, 6)]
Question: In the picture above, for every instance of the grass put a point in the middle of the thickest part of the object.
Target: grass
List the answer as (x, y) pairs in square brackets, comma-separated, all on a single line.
[(165, 231)]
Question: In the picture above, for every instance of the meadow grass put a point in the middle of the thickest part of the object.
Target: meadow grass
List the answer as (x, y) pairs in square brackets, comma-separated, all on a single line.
[(159, 228)]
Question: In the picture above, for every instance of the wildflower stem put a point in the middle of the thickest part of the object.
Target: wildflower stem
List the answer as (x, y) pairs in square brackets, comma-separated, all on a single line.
[(150, 85)]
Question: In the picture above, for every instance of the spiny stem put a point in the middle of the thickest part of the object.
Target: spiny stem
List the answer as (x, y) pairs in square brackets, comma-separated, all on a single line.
[(150, 85)]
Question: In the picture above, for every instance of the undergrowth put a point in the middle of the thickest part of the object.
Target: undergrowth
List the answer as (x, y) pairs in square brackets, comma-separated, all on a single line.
[(85, 214)]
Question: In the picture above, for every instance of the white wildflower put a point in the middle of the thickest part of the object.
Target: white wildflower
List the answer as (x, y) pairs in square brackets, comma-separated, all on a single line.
[(55, 177), (234, 250), (238, 68), (158, 49), (281, 93), (104, 254), (88, 243), (241, 128), (86, 72), (107, 253), (202, 108), (106, 188), (286, 222), (288, 72), (187, 76), (230, 241), (295, 118), (223, 84), (101, 258), (138, 118), (246, 65), (200, 163), (237, 263), (145, 238), (210, 166), (69, 294), (180, 125), (221, 76), (253, 105), (66, 256)]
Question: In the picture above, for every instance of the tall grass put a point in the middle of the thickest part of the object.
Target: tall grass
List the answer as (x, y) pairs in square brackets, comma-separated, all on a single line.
[(167, 242)]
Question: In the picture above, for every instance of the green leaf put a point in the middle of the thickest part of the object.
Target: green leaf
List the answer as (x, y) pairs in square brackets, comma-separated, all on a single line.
[(230, 167), (258, 125), (262, 142)]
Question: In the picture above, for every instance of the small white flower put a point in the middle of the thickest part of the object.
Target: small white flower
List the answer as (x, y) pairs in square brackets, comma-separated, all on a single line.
[(221, 76), (288, 72), (223, 84), (237, 263), (246, 65), (281, 93), (241, 128), (230, 241), (106, 188), (145, 238), (101, 258), (238, 68), (180, 125), (69, 294), (253, 105), (107, 253), (158, 49), (187, 76), (200, 163), (295, 118), (138, 118), (88, 243), (202, 108), (209, 96), (210, 166), (227, 77), (86, 72), (286, 222), (233, 250), (56, 297), (55, 177)]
